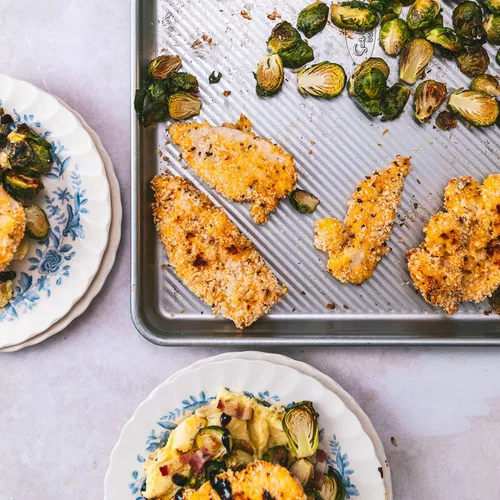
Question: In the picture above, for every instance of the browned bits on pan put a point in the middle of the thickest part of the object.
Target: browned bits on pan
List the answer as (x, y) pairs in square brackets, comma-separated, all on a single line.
[(226, 93), (246, 15), (331, 305)]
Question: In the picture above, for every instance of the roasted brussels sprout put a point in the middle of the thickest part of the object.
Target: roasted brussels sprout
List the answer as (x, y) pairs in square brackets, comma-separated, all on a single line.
[(491, 25), (277, 455), (388, 17), (354, 15), (446, 39), (387, 8), (478, 108), (313, 18), (283, 37), (37, 223), (28, 151), (372, 62), (183, 105), (494, 301), (163, 66), (428, 98), (324, 79), (6, 124), (153, 111), (446, 120), (393, 36), (333, 487), (393, 101), (21, 187), (300, 424), (313, 494), (422, 13), (181, 82), (303, 202), (217, 441), (415, 56), (492, 5), (487, 84), (302, 470), (238, 460), (468, 23), (473, 63), (370, 85), (297, 56), (438, 22), (270, 74)]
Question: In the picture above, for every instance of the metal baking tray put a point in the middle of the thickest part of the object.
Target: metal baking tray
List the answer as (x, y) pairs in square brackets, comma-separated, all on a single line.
[(335, 145)]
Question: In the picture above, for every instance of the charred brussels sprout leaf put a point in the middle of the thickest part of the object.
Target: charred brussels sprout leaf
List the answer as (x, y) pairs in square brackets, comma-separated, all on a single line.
[(415, 56), (446, 120), (428, 98), (283, 37), (388, 17), (355, 15), (313, 18), (300, 424), (297, 56), (422, 13), (154, 110), (494, 301), (333, 487), (183, 105), (270, 74), (491, 25), (37, 223), (162, 67), (372, 62), (393, 36), (277, 455), (438, 22), (473, 63), (324, 79), (446, 39), (21, 187), (487, 84), (387, 8), (468, 23), (394, 101), (492, 5), (28, 151), (181, 82), (214, 77), (140, 97), (303, 202), (157, 90), (478, 108)]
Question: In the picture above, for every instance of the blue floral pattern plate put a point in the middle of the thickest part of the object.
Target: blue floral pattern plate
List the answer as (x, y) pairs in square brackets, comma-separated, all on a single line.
[(350, 450), (76, 197)]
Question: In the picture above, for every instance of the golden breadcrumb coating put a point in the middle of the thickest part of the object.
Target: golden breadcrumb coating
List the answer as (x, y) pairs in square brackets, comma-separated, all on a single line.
[(210, 255), (12, 226), (357, 245), (459, 260), (259, 481), (237, 163)]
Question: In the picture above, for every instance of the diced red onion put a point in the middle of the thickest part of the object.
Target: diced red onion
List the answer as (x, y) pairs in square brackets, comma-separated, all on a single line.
[(319, 469), (234, 409), (164, 470)]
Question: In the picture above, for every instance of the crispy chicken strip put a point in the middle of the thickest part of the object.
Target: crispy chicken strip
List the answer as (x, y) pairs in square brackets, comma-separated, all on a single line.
[(12, 226), (260, 480), (237, 163), (459, 260), (357, 245), (210, 255)]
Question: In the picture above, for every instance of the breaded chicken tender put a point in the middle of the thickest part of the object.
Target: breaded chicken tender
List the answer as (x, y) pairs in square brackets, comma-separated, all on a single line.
[(12, 226), (259, 481), (238, 164), (357, 245), (459, 260), (210, 255)]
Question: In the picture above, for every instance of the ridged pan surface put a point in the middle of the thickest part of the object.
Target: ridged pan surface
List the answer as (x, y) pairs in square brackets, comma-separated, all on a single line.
[(335, 146)]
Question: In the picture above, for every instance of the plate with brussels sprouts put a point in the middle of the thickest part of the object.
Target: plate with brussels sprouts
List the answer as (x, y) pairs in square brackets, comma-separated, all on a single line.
[(55, 207)]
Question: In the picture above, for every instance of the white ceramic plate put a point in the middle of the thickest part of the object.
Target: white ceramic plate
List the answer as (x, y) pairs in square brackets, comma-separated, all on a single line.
[(57, 272), (350, 449), (108, 258)]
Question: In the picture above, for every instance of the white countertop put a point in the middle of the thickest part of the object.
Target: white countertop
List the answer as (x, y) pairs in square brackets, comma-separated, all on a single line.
[(64, 402)]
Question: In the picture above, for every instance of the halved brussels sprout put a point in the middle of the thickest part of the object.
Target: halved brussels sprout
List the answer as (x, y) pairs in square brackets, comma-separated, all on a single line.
[(21, 187), (283, 37), (446, 39), (163, 66), (181, 82), (393, 36), (478, 108), (473, 63), (494, 301), (428, 98), (183, 105), (388, 17), (28, 151), (422, 13), (270, 74), (333, 487), (446, 120), (354, 15), (487, 84), (277, 455), (313, 18), (302, 470), (370, 85), (300, 424), (415, 56), (467, 21), (37, 223), (387, 8), (238, 460), (394, 101), (6, 292), (215, 440), (324, 79), (297, 56), (303, 202), (492, 5), (372, 62), (491, 25)]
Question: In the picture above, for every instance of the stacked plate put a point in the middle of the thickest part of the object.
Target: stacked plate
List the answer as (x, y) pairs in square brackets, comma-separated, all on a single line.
[(347, 435), (60, 276)]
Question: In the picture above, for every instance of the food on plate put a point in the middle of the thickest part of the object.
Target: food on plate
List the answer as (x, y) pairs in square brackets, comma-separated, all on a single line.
[(393, 36), (487, 84), (237, 163), (415, 57), (237, 446), (354, 15), (357, 245), (459, 260), (324, 79), (269, 75), (477, 108), (210, 255), (428, 99), (303, 202), (313, 18)]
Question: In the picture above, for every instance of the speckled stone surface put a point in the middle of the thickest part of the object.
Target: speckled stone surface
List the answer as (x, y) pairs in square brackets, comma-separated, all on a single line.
[(64, 402)]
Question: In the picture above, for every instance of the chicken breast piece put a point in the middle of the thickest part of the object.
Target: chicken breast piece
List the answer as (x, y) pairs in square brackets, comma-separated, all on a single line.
[(12, 226), (260, 480), (459, 260), (210, 255), (357, 245), (238, 164)]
